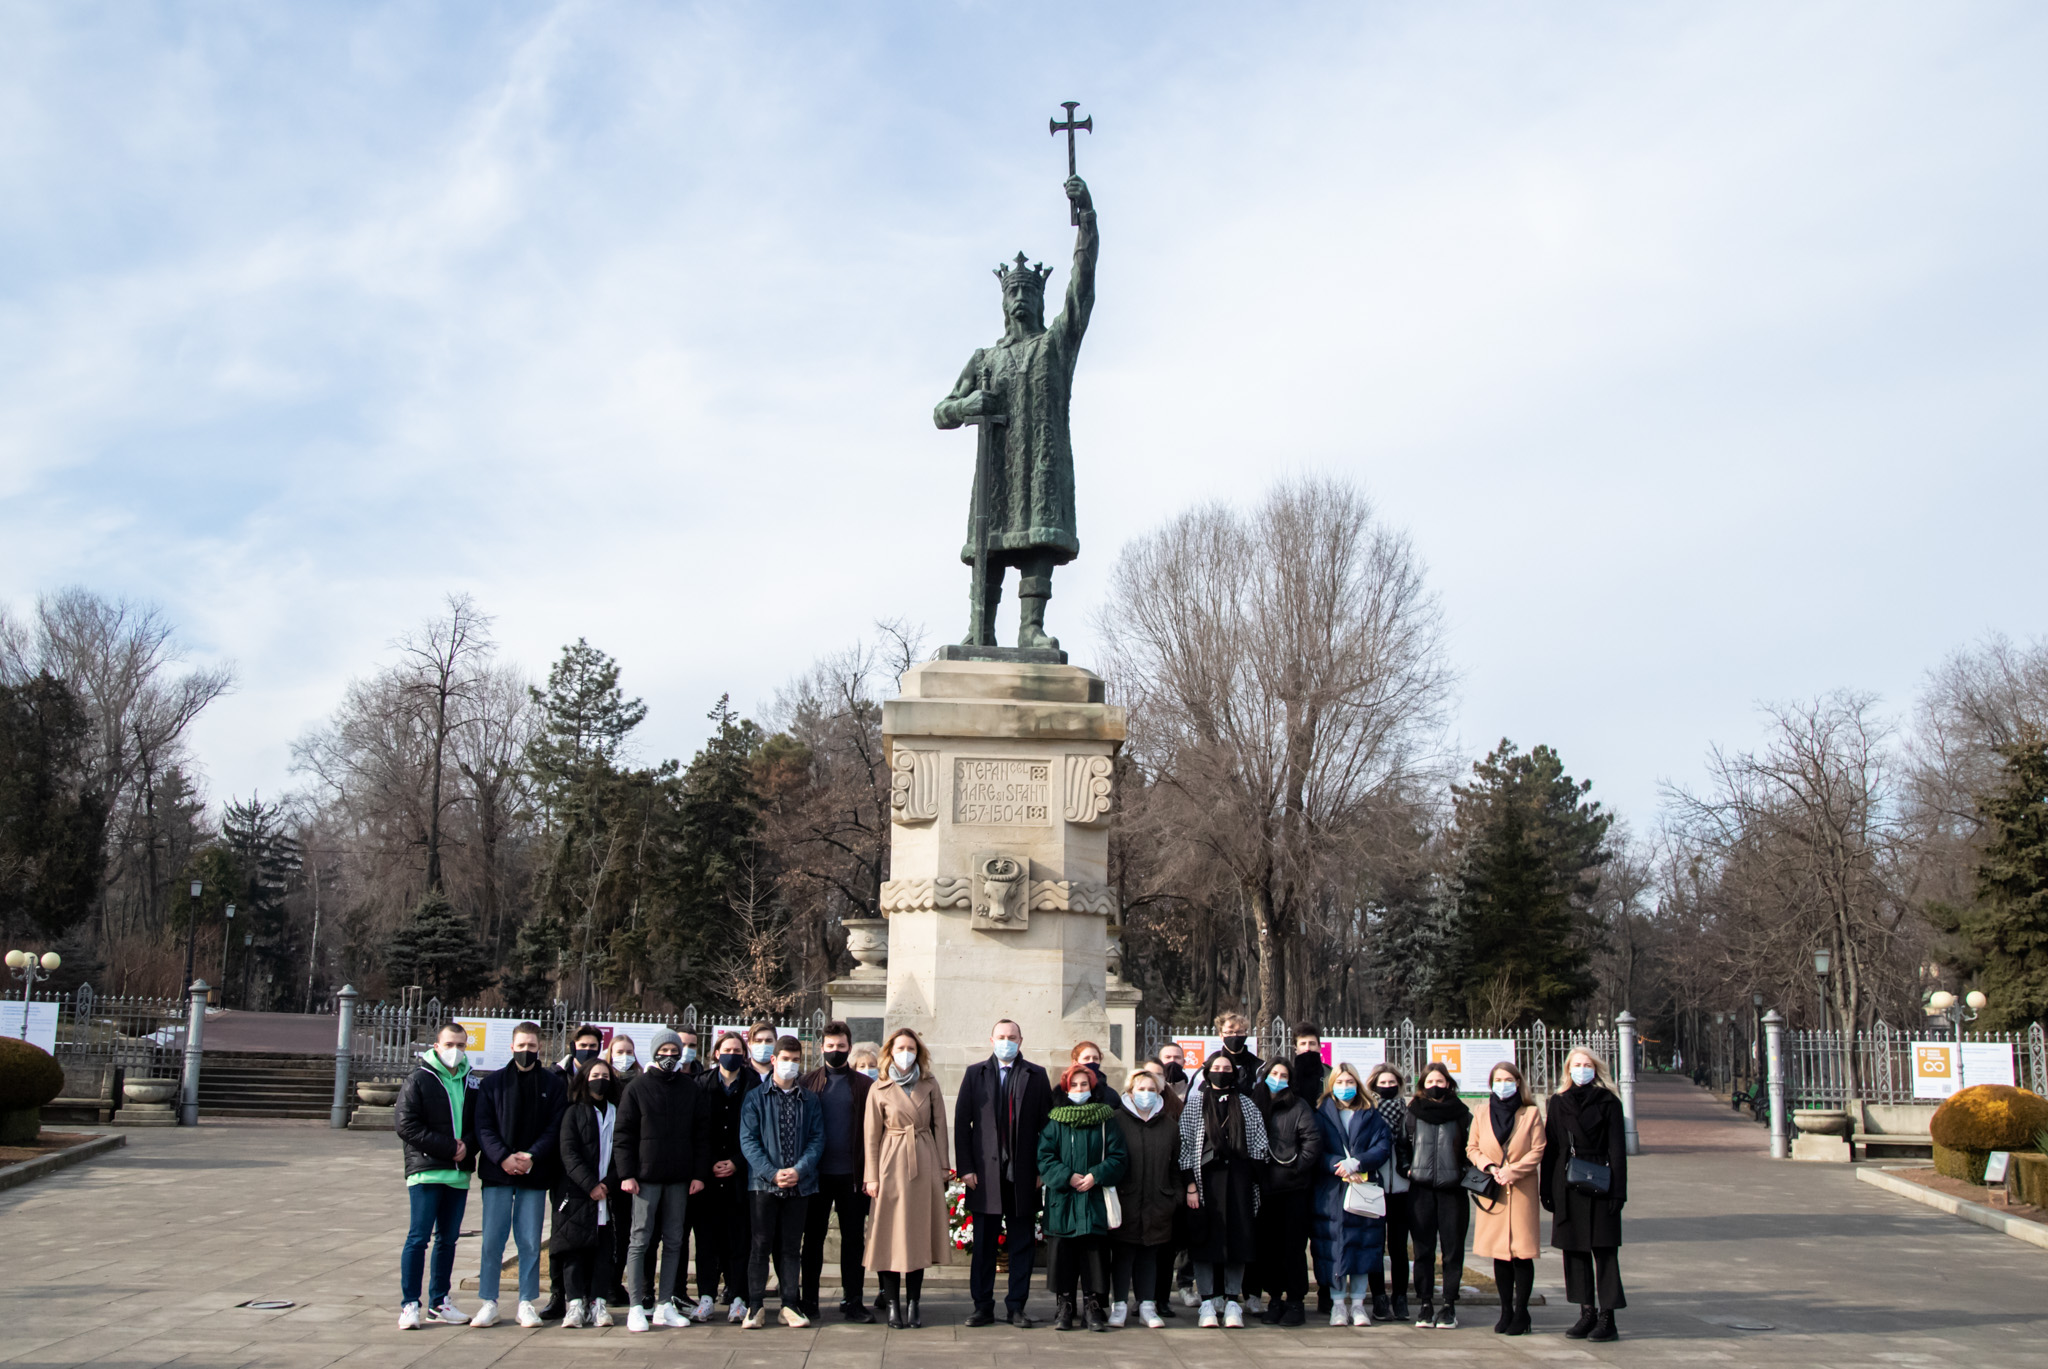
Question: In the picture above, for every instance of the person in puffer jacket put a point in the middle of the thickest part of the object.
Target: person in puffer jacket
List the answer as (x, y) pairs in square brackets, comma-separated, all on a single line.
[(436, 1124)]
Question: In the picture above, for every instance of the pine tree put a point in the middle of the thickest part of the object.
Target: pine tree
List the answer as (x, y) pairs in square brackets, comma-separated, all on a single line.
[(2008, 925), (718, 825), (1529, 856), (51, 824), (585, 719), (438, 949)]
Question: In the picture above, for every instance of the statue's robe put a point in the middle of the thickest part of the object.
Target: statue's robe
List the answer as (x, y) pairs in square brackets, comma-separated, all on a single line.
[(1031, 498)]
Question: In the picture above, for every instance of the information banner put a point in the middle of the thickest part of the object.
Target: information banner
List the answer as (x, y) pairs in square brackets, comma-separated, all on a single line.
[(1988, 1062), (1359, 1052), (35, 1023), (1471, 1059), (1196, 1049)]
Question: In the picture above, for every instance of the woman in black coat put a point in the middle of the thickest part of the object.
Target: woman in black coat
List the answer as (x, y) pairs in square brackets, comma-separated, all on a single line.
[(1222, 1149), (1294, 1146), (1585, 1120), (1150, 1193), (586, 1206), (1384, 1083), (1439, 1210)]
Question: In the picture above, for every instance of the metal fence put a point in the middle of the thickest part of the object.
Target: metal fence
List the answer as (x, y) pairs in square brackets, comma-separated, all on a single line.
[(1540, 1051), (1817, 1063), (145, 1037)]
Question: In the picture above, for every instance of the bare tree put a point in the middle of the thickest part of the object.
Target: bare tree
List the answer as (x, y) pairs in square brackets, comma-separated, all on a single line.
[(440, 674), (1286, 677), (753, 976)]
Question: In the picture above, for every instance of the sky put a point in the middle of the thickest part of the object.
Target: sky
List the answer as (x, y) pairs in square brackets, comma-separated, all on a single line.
[(1699, 349)]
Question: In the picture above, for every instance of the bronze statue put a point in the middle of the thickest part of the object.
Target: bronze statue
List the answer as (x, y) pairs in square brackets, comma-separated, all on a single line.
[(1016, 392)]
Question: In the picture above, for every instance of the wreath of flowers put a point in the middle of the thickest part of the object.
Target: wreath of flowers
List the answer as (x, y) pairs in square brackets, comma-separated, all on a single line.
[(960, 1221)]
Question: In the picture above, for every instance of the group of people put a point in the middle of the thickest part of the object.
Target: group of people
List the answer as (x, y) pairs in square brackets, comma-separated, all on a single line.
[(1232, 1184)]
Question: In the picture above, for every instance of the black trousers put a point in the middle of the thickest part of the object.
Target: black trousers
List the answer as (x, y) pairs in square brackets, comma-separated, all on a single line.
[(1017, 1232), (778, 1221), (1593, 1278), (1142, 1273), (587, 1274), (618, 1230), (1438, 1219), (1083, 1261), (843, 1194), (1280, 1239), (1400, 1217), (723, 1223)]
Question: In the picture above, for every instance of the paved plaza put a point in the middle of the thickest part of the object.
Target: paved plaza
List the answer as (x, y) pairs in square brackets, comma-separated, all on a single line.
[(140, 1259)]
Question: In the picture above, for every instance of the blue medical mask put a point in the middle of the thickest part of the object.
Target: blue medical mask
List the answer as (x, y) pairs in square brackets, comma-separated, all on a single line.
[(1275, 1083), (689, 1055), (1345, 1091), (1505, 1089), (1007, 1050), (1079, 1095), (1582, 1074), (763, 1051), (870, 1071)]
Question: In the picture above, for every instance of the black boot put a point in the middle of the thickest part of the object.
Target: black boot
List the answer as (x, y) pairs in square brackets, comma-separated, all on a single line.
[(1295, 1315), (1580, 1328), (1274, 1307), (1525, 1284), (895, 1314), (1603, 1329), (1401, 1306), (912, 1316), (1098, 1319), (1382, 1310), (1323, 1299), (1063, 1313), (1504, 1284)]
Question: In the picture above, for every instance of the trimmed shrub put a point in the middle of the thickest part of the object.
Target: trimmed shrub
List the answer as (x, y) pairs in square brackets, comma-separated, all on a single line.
[(29, 1075), (1967, 1165), (1988, 1117), (2028, 1179)]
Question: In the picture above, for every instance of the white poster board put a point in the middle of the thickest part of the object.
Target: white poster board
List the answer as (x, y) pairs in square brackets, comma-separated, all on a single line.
[(1359, 1052), (1988, 1062), (1471, 1058), (1195, 1049), (35, 1023)]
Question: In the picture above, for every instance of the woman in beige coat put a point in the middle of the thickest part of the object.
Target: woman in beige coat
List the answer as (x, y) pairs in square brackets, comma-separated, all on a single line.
[(906, 1175), (1507, 1142)]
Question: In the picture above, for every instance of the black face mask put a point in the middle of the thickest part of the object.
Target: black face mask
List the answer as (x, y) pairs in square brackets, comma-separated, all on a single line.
[(666, 1062), (731, 1061), (600, 1089), (587, 1053), (1233, 1044), (1223, 1082), (836, 1059), (1387, 1090), (1438, 1092), (1309, 1060), (1174, 1073), (525, 1059)]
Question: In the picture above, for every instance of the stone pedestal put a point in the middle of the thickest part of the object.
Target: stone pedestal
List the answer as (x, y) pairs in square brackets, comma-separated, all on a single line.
[(999, 905)]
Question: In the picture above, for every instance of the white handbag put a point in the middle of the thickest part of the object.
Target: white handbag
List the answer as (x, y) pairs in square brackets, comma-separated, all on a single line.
[(1365, 1199)]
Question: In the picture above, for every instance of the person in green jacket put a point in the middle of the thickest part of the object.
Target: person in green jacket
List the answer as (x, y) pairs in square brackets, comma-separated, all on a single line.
[(1081, 1156)]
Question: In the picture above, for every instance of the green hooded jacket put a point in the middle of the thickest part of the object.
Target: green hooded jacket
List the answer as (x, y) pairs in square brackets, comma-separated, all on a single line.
[(1081, 1138)]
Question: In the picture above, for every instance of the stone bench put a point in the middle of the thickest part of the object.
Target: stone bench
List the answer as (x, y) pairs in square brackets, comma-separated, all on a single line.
[(89, 1094)]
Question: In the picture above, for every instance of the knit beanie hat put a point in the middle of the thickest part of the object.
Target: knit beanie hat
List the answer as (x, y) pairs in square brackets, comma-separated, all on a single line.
[(663, 1036)]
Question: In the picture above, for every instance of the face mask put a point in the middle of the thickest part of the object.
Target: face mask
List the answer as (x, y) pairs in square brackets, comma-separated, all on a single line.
[(1505, 1089), (731, 1061), (906, 1061), (1309, 1059), (1582, 1074), (1145, 1102), (1223, 1082), (870, 1071), (1233, 1044), (762, 1051), (836, 1059), (1344, 1092), (786, 1070), (1438, 1092), (689, 1056), (1387, 1090), (600, 1089), (1079, 1095), (665, 1062), (525, 1059), (451, 1056), (586, 1053), (1006, 1051), (623, 1060), (1174, 1073), (1275, 1084)]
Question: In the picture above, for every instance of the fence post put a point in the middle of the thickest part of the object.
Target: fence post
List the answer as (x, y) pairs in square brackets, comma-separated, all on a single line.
[(1625, 1060), (1774, 1071), (344, 1052), (195, 1029)]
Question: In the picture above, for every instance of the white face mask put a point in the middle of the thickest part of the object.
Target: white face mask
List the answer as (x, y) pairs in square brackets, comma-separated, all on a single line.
[(906, 1060), (1505, 1089), (1146, 1101), (1582, 1074), (1079, 1095), (451, 1056), (623, 1060), (786, 1070)]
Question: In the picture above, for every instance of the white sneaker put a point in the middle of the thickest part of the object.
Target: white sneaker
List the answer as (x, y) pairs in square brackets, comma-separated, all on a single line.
[(756, 1319), (446, 1311), (1208, 1320), (792, 1317), (668, 1314), (1253, 1305), (737, 1312), (1338, 1316), (1188, 1298), (1119, 1312), (600, 1315), (486, 1313), (636, 1318), (1233, 1316), (1148, 1313), (528, 1314), (409, 1317), (1361, 1312), (705, 1306), (572, 1315)]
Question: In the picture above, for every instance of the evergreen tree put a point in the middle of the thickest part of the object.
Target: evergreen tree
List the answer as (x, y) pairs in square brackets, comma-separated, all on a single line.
[(1529, 857), (51, 822), (584, 719), (438, 949), (2007, 927), (1416, 966), (267, 860), (718, 824)]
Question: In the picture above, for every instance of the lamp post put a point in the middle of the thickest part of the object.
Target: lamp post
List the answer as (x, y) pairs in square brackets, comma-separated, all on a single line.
[(192, 931), (225, 939), (28, 967), (1820, 975), (1756, 1033)]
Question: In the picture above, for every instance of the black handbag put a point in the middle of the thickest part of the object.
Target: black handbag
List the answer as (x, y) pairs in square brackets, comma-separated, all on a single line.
[(1481, 1184), (1588, 1176)]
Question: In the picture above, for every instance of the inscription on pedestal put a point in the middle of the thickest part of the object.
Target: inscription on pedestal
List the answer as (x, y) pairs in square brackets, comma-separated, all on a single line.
[(1002, 793)]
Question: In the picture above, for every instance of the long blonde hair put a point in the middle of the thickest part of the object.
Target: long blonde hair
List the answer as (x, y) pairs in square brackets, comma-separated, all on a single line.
[(1601, 1078), (924, 1059), (1343, 1071)]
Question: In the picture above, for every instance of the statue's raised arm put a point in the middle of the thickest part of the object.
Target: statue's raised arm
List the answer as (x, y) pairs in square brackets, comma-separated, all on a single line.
[(1073, 319)]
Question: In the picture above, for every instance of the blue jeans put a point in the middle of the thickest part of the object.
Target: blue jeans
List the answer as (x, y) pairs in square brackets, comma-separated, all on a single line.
[(517, 1211), (436, 1212)]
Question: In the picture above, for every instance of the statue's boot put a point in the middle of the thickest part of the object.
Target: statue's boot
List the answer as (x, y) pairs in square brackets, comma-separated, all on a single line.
[(1032, 592)]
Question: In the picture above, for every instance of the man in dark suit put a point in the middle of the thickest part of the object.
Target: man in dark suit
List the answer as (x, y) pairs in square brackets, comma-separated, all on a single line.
[(1003, 1104)]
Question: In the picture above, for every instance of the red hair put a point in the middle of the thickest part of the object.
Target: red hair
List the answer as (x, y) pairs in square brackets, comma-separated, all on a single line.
[(1080, 1072)]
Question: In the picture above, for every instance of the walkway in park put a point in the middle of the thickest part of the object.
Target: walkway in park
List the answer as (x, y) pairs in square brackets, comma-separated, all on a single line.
[(139, 1259)]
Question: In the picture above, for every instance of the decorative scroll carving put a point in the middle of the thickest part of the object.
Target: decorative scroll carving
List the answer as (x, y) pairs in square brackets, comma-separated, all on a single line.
[(1072, 896), (914, 785), (1002, 892), (1088, 790), (927, 895)]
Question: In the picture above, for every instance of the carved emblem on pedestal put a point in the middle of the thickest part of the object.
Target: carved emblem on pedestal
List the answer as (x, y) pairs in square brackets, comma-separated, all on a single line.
[(914, 785), (1088, 790), (1002, 892)]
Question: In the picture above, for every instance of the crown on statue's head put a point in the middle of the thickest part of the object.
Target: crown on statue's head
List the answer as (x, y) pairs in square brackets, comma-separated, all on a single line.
[(1020, 276)]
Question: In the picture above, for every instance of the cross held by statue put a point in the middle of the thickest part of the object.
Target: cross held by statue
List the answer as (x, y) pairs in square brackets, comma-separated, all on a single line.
[(1070, 128)]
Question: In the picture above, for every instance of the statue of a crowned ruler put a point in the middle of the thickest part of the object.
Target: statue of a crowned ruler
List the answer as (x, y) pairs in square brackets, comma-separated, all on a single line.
[(998, 903)]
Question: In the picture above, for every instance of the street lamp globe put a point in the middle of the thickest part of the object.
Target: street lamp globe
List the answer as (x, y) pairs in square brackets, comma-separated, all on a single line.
[(1941, 1000), (1976, 1000), (16, 959), (1820, 962), (198, 888), (51, 960), (1756, 1000)]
